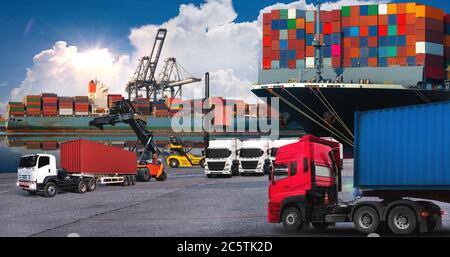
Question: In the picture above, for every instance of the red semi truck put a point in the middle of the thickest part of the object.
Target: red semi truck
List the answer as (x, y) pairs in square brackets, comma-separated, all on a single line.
[(83, 165)]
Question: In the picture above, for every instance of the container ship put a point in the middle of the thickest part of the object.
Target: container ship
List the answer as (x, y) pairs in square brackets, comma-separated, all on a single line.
[(326, 65), (49, 112)]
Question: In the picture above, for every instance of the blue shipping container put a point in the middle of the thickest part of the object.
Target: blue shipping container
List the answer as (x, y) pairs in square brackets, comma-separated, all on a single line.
[(373, 31), (363, 41), (300, 34), (354, 31), (275, 24), (336, 38), (403, 148)]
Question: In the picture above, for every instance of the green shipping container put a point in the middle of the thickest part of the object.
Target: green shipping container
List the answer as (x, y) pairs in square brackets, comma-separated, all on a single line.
[(284, 14), (34, 100), (292, 24), (345, 11), (13, 109), (392, 30), (392, 51), (373, 9), (15, 103)]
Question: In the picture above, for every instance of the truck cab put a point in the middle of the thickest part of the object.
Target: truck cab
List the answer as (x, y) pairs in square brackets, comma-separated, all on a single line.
[(254, 157), (276, 145), (222, 157)]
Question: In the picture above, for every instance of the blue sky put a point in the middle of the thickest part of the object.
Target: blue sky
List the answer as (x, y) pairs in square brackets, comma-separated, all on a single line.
[(29, 27)]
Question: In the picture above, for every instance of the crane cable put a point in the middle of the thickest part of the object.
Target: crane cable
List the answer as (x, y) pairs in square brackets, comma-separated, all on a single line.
[(333, 111), (338, 134)]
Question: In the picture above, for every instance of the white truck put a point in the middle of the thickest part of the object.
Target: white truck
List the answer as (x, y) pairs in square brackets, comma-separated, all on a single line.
[(222, 157), (254, 157), (277, 144)]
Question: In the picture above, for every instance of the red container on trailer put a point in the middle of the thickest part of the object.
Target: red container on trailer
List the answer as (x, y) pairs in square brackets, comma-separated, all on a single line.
[(87, 157)]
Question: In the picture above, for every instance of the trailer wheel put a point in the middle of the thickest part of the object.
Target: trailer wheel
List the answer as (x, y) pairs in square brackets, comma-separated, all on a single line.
[(366, 220), (133, 180), (402, 220), (321, 226), (174, 163), (50, 190), (292, 219), (126, 181), (82, 187), (202, 163), (92, 185), (163, 176)]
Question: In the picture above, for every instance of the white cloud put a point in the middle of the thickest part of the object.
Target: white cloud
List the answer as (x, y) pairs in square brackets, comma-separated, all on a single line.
[(204, 38)]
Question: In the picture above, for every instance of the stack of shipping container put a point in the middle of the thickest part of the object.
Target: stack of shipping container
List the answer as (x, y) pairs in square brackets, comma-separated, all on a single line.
[(112, 99), (384, 35), (16, 109), (142, 105), (65, 106), (159, 108), (49, 104), (81, 105), (32, 105)]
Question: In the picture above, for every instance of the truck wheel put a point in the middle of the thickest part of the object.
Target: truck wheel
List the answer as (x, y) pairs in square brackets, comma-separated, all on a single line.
[(92, 185), (126, 181), (366, 220), (202, 163), (163, 176), (174, 163), (402, 220), (50, 190), (82, 187), (292, 219), (321, 226), (133, 180)]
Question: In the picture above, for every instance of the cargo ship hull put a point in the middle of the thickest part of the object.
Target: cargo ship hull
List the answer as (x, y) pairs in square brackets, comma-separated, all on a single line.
[(297, 102)]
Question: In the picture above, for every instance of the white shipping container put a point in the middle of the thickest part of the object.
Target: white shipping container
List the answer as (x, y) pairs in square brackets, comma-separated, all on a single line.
[(382, 9), (275, 64), (292, 14), (309, 62), (309, 16), (429, 48), (283, 34), (81, 113), (327, 62), (65, 112)]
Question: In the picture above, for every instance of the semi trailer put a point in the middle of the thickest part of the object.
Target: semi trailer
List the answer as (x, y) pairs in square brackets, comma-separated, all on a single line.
[(222, 157), (401, 167), (83, 164)]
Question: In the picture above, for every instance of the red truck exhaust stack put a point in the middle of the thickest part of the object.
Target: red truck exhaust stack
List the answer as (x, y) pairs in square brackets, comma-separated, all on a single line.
[(83, 156)]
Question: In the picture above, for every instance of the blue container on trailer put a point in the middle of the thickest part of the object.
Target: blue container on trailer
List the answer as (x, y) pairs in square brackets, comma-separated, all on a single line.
[(355, 62), (354, 31), (405, 148), (373, 31), (284, 55), (327, 51), (292, 54), (363, 62)]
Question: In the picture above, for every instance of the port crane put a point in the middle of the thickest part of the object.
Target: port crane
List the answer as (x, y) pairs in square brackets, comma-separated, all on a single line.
[(148, 164), (171, 78)]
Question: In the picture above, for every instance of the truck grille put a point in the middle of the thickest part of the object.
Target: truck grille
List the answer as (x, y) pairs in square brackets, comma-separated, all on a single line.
[(249, 165), (216, 166), (24, 177)]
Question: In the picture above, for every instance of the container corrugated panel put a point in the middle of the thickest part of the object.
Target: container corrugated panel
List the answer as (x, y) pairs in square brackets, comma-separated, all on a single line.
[(82, 156), (403, 148)]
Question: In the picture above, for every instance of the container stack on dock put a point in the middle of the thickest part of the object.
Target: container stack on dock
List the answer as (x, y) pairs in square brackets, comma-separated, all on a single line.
[(159, 108), (16, 109), (32, 105), (142, 105), (384, 35), (112, 99), (49, 104), (65, 106), (81, 105)]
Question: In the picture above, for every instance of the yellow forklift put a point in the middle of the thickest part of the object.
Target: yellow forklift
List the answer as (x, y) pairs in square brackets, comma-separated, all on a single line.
[(182, 157)]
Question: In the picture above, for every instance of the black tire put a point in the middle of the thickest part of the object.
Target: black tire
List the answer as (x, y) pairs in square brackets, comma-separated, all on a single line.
[(133, 180), (50, 190), (163, 176), (174, 163), (366, 220), (126, 181), (202, 163), (82, 187), (91, 185), (144, 175), (321, 226), (292, 219), (402, 220)]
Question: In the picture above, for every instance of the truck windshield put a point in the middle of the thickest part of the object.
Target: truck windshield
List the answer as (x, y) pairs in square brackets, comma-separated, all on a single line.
[(28, 161), (251, 152), (217, 153), (273, 152)]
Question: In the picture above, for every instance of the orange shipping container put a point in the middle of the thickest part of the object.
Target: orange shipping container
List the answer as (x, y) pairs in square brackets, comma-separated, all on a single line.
[(425, 11), (411, 8), (392, 8), (300, 23), (410, 40), (354, 21), (382, 20), (267, 30), (411, 18), (372, 20), (292, 34), (364, 31), (354, 11), (401, 8), (347, 42), (447, 40), (354, 52), (392, 61), (373, 62), (402, 61), (310, 28), (336, 27), (364, 20), (309, 51)]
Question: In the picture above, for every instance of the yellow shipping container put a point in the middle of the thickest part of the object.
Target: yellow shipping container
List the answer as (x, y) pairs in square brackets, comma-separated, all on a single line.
[(424, 11), (392, 8), (411, 8)]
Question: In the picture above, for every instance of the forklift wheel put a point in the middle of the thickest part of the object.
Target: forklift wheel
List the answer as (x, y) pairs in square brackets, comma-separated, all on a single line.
[(163, 176), (144, 175), (292, 219), (174, 163)]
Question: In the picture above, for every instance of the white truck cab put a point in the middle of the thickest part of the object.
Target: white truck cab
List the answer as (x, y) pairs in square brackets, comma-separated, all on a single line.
[(222, 157), (254, 156)]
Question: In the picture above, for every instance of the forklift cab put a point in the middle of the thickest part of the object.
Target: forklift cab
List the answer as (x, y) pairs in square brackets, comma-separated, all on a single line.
[(313, 175)]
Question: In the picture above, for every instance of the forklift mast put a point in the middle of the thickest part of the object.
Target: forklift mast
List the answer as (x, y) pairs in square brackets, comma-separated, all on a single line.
[(124, 112)]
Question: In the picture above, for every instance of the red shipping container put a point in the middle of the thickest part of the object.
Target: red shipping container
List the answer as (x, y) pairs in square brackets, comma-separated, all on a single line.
[(267, 30), (300, 44), (392, 61), (267, 52), (300, 55), (410, 29), (267, 41), (309, 51), (347, 42), (429, 36), (383, 20), (382, 30), (327, 28), (355, 42), (336, 27), (364, 21), (410, 18), (354, 52), (373, 42), (434, 73), (346, 62), (347, 52), (267, 18), (326, 16), (429, 24), (401, 19), (346, 22), (354, 10), (292, 44), (364, 31), (87, 157), (430, 60), (373, 62), (410, 40), (336, 15), (275, 15), (292, 64), (372, 20), (402, 61), (401, 51), (401, 8), (354, 21), (275, 55), (336, 62), (447, 18), (275, 34), (275, 45), (267, 63), (292, 34), (401, 29)]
